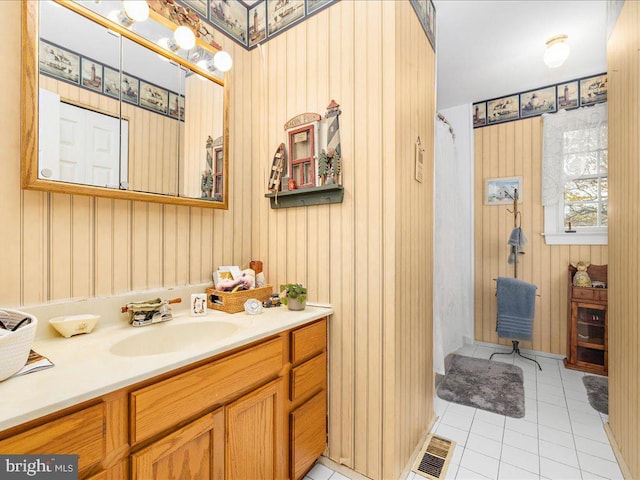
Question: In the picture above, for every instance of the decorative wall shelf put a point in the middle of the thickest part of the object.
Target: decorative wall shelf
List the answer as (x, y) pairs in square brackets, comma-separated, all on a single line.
[(305, 197)]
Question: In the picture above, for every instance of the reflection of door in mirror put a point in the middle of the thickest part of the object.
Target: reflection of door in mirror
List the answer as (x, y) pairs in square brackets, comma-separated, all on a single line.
[(79, 145)]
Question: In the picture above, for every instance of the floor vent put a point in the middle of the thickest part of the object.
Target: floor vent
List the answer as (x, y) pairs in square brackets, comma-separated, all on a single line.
[(433, 460)]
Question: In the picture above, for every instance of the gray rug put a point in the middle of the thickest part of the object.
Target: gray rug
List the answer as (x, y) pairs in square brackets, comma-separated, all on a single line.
[(598, 392), (485, 384)]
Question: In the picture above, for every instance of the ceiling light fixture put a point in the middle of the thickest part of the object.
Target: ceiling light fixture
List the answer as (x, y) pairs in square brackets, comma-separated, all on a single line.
[(557, 51), (185, 37)]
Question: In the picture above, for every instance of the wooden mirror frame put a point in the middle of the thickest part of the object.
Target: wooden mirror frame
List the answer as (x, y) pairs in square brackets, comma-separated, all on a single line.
[(29, 114)]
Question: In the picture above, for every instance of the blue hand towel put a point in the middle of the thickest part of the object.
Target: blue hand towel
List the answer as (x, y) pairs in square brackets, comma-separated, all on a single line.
[(516, 308), (517, 238)]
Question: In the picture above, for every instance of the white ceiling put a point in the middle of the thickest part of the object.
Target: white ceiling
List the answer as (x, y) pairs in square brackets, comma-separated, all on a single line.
[(489, 48)]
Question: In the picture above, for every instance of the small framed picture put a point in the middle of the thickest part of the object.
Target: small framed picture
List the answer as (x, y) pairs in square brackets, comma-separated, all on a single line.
[(537, 102), (501, 191), (198, 304), (479, 114), (593, 90)]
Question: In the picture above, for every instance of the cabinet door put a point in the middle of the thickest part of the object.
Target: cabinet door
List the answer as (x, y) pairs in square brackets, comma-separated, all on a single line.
[(195, 451), (255, 434), (308, 434)]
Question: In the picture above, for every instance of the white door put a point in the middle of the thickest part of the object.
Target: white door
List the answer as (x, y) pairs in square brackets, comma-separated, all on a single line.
[(81, 146)]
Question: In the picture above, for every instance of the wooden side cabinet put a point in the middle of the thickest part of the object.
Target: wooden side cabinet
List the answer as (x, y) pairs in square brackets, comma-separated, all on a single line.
[(587, 326)]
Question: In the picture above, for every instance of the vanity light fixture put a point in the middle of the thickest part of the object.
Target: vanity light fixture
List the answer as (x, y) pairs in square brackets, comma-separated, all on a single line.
[(184, 37), (168, 44), (557, 51), (222, 60), (132, 11)]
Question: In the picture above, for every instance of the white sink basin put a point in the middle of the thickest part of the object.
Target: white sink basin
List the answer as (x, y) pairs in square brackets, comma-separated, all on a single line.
[(171, 337)]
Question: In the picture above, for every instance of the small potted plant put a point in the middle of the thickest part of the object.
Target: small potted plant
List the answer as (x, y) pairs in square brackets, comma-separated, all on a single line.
[(294, 296)]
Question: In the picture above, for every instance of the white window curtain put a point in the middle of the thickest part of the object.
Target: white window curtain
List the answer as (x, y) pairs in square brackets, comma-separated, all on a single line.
[(563, 133)]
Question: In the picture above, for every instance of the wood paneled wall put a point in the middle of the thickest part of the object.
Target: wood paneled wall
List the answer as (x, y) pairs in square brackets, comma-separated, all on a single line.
[(624, 177), (57, 246), (153, 138), (515, 149), (372, 58), (412, 214)]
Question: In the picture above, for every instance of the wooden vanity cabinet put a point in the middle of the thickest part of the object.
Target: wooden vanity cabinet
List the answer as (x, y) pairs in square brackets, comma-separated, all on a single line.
[(308, 397), (257, 412)]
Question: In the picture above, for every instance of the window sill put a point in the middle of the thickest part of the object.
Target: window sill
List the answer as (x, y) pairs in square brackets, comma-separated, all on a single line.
[(576, 238)]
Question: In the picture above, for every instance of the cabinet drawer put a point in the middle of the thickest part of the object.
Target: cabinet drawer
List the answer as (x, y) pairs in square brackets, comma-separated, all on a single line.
[(80, 433), (308, 434), (308, 341), (582, 293), (308, 377), (601, 294), (164, 404)]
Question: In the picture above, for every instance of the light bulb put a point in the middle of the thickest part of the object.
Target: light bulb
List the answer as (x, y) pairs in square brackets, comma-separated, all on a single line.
[(557, 51), (137, 10), (168, 44), (185, 37), (223, 61), (203, 64)]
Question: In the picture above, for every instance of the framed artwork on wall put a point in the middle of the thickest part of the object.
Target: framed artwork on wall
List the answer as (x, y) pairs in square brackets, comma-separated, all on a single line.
[(500, 191), (503, 109), (536, 102)]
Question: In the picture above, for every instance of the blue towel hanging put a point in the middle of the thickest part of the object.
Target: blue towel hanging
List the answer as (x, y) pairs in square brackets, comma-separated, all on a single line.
[(516, 308)]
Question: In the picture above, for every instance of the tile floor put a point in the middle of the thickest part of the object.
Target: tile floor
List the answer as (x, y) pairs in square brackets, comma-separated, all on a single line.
[(560, 438)]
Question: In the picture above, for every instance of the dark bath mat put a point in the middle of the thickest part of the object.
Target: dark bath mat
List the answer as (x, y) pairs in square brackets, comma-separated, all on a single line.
[(598, 392), (488, 385)]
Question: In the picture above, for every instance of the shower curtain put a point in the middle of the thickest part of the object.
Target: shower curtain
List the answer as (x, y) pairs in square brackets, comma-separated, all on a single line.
[(452, 283)]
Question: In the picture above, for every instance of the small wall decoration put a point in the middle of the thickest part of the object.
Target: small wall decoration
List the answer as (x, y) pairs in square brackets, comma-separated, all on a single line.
[(153, 98), (536, 102), (282, 13), (91, 75), (479, 114), (500, 191), (58, 62), (502, 109), (426, 12), (302, 133), (277, 170), (313, 5), (199, 6), (567, 95), (257, 24), (230, 17), (419, 161), (593, 90)]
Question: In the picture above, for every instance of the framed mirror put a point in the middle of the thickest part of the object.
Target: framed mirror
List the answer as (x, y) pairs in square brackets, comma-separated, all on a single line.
[(112, 111)]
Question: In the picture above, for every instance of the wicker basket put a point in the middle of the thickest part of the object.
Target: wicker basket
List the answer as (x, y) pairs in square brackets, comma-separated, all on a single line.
[(233, 302), (15, 345)]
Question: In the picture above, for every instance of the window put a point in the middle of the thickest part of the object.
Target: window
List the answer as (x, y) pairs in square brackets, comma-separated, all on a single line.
[(574, 176), (302, 149)]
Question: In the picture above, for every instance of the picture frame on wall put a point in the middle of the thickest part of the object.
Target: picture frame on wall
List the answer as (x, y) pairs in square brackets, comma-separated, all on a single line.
[(537, 102), (231, 18), (91, 74), (479, 114), (198, 6), (567, 95), (282, 14), (593, 90), (500, 191), (257, 23), (315, 5), (58, 62), (503, 109), (153, 97)]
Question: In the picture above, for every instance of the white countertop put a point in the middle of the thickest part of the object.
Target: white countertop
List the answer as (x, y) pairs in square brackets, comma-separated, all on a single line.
[(85, 367)]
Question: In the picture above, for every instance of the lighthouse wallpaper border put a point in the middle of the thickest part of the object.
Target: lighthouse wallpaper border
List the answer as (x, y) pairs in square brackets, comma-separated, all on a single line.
[(565, 95)]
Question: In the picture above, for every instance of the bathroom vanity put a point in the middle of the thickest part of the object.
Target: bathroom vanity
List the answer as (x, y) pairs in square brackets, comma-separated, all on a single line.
[(251, 405)]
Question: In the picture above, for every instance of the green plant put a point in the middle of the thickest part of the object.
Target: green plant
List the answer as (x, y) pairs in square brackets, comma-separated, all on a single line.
[(293, 290)]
